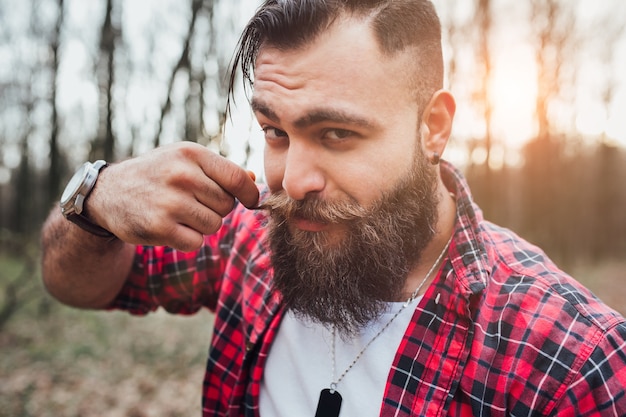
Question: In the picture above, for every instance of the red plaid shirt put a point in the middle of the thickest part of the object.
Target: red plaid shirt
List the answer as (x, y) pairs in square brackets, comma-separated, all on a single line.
[(502, 331)]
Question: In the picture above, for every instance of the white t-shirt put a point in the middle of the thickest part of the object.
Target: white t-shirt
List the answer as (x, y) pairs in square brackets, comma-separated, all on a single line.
[(299, 366)]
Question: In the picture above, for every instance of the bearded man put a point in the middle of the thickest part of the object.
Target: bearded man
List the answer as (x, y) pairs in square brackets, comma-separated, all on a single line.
[(363, 280)]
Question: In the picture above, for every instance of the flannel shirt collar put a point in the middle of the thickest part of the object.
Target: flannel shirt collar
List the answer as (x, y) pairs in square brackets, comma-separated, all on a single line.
[(468, 252)]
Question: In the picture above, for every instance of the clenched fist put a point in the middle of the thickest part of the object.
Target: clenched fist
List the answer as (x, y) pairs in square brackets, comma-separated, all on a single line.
[(170, 196)]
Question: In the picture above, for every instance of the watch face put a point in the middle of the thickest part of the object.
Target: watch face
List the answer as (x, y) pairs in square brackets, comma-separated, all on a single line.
[(73, 185)]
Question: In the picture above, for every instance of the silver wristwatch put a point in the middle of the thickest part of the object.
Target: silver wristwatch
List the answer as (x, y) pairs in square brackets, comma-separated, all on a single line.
[(75, 193)]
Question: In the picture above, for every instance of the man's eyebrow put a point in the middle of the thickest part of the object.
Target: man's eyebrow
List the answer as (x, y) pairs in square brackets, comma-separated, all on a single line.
[(264, 109), (331, 115), (314, 116)]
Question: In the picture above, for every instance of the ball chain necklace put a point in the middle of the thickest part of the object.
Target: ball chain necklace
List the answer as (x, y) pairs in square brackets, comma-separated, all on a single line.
[(330, 399)]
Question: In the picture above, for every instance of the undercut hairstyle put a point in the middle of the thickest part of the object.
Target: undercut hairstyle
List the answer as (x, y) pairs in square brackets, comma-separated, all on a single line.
[(397, 25)]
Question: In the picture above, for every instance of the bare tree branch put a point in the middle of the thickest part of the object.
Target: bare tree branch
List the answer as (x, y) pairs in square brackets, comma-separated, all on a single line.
[(55, 173), (182, 64), (104, 144)]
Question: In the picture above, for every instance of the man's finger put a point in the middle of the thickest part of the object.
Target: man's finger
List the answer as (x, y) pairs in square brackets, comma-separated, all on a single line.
[(232, 178)]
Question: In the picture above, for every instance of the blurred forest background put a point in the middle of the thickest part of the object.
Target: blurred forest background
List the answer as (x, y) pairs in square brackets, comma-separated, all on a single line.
[(540, 133)]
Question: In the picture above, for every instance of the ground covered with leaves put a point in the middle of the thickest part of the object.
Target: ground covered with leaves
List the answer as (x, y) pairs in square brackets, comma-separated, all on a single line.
[(69, 363), (60, 362)]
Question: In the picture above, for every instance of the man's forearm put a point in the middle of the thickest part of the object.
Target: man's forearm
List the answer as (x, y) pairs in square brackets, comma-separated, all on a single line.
[(80, 269), (172, 196)]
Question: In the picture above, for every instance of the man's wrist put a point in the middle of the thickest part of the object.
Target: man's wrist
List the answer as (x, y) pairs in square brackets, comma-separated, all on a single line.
[(73, 200), (84, 223)]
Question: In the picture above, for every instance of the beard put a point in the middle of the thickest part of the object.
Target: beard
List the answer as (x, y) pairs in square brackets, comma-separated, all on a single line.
[(347, 282)]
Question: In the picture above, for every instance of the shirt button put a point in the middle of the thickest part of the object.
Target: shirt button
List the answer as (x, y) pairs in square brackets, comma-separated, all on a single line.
[(249, 346)]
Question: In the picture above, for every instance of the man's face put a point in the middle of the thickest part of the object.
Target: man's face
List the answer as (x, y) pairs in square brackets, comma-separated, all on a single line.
[(342, 145), (340, 118)]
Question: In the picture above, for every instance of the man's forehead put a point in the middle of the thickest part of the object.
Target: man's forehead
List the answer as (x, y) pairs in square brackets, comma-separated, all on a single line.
[(339, 77)]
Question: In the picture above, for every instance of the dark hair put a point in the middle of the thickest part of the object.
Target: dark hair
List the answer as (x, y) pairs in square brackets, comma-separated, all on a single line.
[(397, 24)]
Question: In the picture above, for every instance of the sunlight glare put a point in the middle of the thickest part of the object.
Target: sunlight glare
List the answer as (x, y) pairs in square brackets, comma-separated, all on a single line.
[(591, 120), (513, 92), (479, 155), (615, 126)]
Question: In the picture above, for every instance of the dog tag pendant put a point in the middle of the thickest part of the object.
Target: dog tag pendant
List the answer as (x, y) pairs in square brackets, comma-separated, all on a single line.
[(329, 403)]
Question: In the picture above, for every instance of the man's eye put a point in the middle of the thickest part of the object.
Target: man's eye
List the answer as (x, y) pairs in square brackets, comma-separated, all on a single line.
[(272, 133), (338, 133)]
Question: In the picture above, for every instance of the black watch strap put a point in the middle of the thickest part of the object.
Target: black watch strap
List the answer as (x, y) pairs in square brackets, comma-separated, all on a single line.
[(85, 224)]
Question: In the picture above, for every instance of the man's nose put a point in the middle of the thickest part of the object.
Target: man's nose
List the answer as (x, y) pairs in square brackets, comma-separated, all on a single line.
[(303, 174)]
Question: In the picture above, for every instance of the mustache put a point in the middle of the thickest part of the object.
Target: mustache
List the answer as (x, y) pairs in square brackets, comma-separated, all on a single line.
[(280, 205)]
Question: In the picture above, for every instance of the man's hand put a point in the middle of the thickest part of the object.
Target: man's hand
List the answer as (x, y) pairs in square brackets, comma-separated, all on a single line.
[(171, 196)]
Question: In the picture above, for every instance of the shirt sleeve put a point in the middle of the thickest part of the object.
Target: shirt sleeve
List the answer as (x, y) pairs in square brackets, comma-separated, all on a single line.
[(599, 389), (184, 282)]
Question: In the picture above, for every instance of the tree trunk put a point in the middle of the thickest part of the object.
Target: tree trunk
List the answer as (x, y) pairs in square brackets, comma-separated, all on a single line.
[(55, 173)]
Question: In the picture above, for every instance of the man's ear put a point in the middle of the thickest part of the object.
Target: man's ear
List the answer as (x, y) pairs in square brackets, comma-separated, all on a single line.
[(437, 122)]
